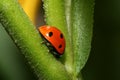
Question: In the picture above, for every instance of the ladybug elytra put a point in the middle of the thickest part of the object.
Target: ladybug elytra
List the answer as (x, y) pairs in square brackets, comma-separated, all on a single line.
[(54, 37)]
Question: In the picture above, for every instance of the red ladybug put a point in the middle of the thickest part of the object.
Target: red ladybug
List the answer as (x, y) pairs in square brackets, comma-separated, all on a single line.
[(54, 37)]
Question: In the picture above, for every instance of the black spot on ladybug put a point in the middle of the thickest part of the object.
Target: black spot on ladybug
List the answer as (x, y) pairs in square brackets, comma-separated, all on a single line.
[(60, 46), (61, 35), (50, 34)]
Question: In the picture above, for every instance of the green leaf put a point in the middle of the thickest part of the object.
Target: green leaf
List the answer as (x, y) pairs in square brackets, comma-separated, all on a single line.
[(82, 26)]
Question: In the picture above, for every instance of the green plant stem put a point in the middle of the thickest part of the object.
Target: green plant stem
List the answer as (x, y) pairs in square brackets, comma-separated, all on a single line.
[(55, 16), (28, 40)]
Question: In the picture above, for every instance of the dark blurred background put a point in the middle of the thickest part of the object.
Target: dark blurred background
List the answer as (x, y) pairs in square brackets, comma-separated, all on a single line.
[(104, 60)]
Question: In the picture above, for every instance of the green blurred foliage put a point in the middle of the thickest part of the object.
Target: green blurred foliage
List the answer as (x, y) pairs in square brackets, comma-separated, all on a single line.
[(104, 60)]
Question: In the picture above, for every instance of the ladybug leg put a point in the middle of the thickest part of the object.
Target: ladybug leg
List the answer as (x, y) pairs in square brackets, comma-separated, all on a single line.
[(48, 51), (48, 44), (43, 42), (50, 48), (56, 55)]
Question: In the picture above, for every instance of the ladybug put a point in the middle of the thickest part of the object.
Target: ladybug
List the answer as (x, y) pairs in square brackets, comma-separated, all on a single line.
[(54, 39)]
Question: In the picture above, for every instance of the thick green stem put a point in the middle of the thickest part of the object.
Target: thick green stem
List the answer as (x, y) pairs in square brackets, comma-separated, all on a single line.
[(27, 38)]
